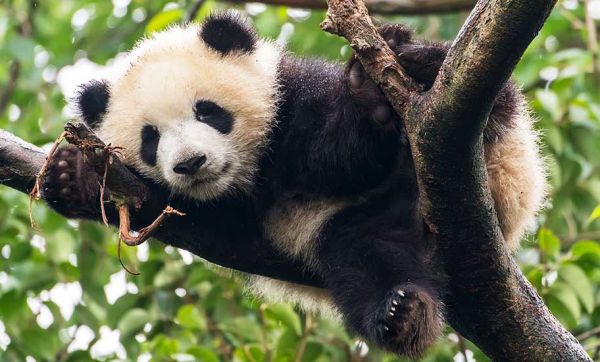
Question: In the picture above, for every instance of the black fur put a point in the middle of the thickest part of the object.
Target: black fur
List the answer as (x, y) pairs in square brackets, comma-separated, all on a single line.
[(335, 138), (228, 32), (92, 100), (70, 186), (213, 115), (150, 138)]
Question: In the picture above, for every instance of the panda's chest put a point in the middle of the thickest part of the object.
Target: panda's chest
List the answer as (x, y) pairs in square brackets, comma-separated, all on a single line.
[(294, 225)]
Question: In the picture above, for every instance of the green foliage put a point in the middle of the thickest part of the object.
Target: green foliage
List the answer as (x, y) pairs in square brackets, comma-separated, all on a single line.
[(64, 296)]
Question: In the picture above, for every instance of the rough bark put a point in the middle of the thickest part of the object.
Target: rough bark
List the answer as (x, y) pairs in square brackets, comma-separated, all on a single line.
[(21, 161), (490, 300), (407, 7)]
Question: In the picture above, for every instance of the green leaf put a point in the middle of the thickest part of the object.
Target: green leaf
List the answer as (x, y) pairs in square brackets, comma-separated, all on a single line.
[(121, 307), (59, 245), (586, 251), (560, 311), (312, 352), (245, 328), (549, 243), (164, 19), (550, 102), (163, 346), (42, 345), (133, 321), (249, 353), (578, 281), (169, 274), (567, 297), (188, 316), (595, 215), (203, 354), (285, 314), (286, 346), (21, 48)]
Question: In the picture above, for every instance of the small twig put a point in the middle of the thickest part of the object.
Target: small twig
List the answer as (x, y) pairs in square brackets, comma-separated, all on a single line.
[(144, 233), (568, 240), (102, 190), (194, 11), (109, 160), (11, 85), (462, 347), (263, 324), (589, 334), (36, 192), (309, 326), (395, 7), (592, 37)]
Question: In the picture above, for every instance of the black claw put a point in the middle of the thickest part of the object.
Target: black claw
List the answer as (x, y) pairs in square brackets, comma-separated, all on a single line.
[(409, 320)]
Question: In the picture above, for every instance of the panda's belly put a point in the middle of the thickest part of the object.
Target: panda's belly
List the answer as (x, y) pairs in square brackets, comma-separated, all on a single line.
[(294, 224)]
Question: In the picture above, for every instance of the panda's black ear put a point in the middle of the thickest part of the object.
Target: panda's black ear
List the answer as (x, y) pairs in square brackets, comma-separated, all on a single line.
[(92, 102), (228, 32)]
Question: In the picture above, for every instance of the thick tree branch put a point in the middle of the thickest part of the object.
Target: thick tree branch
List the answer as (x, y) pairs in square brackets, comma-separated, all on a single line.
[(21, 161), (407, 7), (490, 301)]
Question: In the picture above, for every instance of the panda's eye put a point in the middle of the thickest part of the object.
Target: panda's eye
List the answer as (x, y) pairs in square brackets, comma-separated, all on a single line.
[(150, 138), (213, 115), (149, 133)]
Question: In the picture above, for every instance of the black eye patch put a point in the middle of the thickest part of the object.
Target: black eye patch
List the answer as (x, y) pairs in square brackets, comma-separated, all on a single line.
[(150, 137), (210, 113)]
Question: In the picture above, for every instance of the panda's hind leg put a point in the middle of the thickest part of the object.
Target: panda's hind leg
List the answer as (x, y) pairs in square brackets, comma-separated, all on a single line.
[(386, 294), (408, 320)]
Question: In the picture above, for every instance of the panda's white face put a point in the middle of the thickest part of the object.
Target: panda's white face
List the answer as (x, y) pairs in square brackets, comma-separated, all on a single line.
[(192, 118)]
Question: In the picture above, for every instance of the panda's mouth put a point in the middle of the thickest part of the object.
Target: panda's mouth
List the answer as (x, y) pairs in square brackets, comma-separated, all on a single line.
[(210, 178), (199, 181)]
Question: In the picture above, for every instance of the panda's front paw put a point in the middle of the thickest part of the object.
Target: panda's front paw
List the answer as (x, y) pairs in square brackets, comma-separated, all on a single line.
[(367, 94), (70, 186), (409, 320), (421, 60)]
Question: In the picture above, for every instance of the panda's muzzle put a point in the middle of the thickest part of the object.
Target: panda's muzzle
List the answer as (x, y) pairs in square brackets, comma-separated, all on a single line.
[(190, 166)]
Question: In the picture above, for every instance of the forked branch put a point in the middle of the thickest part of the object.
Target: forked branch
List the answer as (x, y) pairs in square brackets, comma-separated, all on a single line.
[(490, 301)]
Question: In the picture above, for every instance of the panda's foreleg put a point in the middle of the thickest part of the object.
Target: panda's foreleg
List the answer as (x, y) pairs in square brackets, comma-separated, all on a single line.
[(385, 293), (70, 186)]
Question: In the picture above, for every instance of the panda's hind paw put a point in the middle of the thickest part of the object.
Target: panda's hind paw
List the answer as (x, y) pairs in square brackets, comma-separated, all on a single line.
[(70, 186), (409, 320)]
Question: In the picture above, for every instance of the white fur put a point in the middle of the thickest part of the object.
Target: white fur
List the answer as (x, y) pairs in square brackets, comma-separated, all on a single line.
[(294, 225), (310, 299), (159, 84), (517, 178)]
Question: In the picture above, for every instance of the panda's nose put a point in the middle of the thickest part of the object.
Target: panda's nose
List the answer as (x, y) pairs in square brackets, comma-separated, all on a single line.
[(190, 166)]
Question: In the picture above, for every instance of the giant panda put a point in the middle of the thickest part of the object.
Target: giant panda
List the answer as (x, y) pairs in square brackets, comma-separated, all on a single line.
[(304, 154)]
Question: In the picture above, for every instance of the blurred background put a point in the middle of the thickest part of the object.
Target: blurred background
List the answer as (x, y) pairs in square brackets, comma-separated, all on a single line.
[(63, 294)]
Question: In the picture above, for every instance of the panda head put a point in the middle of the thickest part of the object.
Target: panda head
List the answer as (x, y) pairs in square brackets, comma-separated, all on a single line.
[(190, 106)]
